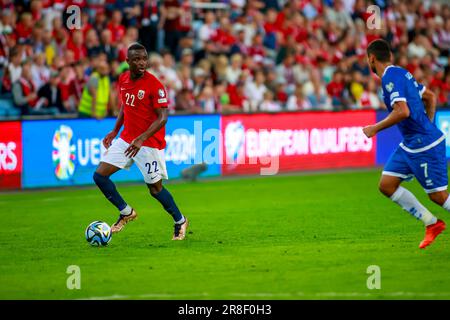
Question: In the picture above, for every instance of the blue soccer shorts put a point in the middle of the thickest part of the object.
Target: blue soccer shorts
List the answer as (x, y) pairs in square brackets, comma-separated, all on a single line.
[(429, 167)]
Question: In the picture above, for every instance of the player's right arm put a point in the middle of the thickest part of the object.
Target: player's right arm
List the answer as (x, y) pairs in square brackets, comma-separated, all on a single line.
[(112, 134), (400, 111), (429, 100)]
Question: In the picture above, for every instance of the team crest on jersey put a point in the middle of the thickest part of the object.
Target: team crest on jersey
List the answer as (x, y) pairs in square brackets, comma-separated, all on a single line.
[(390, 87), (161, 93), (141, 94)]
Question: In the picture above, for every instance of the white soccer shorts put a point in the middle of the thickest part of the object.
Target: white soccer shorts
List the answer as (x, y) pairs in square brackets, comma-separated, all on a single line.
[(150, 161)]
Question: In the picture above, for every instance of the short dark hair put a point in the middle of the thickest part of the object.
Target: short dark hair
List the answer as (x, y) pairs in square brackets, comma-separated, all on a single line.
[(380, 49), (136, 46)]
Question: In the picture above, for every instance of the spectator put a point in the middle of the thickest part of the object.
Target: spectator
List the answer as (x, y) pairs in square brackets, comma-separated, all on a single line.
[(297, 101), (14, 70), (221, 96), (150, 20), (40, 71), (361, 65), (446, 90), (206, 101), (208, 29), (239, 45), (131, 10), (199, 76), (238, 100), (92, 43), (168, 69), (316, 93), (7, 37), (79, 81), (107, 46), (187, 57), (25, 94), (417, 47), (268, 104), (271, 29), (96, 94), (25, 26), (156, 65), (70, 88), (170, 23), (439, 87), (50, 48), (280, 92), (286, 71), (369, 98), (185, 102), (255, 89), (257, 51), (338, 15), (52, 94), (77, 46), (6, 21), (185, 21), (116, 27), (335, 90), (37, 37), (100, 21), (357, 88), (220, 67), (185, 78), (224, 37), (234, 70)]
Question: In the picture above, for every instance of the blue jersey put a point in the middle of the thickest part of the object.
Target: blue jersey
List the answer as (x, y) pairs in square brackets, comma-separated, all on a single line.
[(419, 133)]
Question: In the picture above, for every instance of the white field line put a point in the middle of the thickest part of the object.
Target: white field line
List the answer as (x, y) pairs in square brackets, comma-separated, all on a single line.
[(273, 295)]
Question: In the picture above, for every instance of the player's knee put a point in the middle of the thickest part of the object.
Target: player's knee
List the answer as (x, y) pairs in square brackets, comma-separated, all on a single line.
[(387, 189), (98, 178), (438, 197), (154, 188)]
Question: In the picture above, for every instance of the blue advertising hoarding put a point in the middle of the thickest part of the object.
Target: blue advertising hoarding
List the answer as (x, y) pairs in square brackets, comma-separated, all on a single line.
[(66, 152), (387, 140), (193, 139), (443, 123)]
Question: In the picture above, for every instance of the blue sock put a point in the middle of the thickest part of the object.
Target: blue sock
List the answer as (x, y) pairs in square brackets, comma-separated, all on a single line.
[(166, 199), (109, 190)]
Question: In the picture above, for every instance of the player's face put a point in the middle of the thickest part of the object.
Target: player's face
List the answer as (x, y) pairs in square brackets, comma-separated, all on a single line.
[(371, 62), (137, 60)]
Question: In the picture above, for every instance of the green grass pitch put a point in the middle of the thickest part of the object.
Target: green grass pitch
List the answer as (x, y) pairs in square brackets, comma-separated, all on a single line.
[(282, 237)]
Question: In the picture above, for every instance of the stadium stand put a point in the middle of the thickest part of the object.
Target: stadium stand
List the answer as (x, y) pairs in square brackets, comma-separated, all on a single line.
[(219, 56)]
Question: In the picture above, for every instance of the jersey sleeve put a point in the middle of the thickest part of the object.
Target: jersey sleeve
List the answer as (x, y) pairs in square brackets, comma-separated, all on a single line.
[(118, 86), (394, 87), (158, 95), (421, 88)]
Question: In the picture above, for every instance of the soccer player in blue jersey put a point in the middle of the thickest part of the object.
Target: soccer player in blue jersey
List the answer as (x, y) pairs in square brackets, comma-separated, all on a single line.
[(422, 153)]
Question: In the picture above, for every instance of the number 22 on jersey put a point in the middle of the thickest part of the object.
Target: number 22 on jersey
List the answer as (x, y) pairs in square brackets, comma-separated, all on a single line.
[(129, 99)]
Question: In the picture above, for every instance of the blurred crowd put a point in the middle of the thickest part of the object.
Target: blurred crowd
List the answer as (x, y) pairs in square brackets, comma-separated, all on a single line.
[(216, 56)]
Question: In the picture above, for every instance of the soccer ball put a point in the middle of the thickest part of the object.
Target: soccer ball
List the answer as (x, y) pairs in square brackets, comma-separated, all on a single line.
[(98, 233)]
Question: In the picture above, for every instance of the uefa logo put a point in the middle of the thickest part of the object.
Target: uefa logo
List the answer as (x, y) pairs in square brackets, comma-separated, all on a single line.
[(234, 141), (63, 155)]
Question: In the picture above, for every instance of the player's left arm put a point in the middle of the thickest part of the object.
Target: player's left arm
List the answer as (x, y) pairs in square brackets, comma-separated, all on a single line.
[(400, 112), (160, 122), (429, 100)]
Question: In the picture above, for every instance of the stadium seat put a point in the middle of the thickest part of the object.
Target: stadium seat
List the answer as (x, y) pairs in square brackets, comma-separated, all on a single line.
[(7, 109)]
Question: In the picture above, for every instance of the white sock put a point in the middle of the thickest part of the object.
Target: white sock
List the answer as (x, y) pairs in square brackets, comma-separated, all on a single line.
[(446, 204), (409, 203), (126, 211), (181, 221)]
